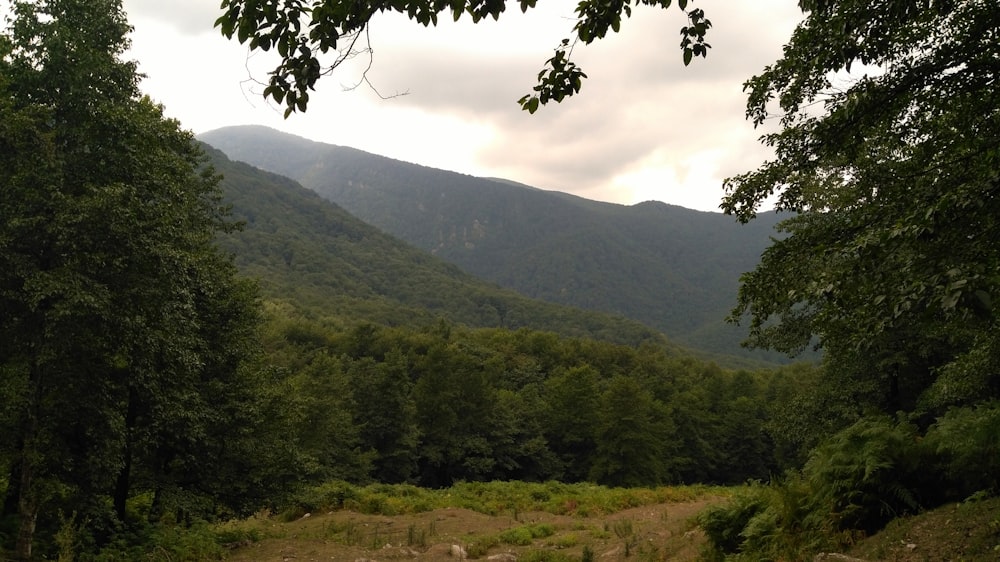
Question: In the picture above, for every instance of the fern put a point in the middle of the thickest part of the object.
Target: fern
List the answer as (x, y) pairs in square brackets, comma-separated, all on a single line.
[(968, 442), (868, 473)]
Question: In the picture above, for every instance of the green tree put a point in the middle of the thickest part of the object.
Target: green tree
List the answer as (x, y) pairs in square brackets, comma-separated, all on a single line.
[(121, 322), (634, 435), (320, 411), (887, 155), (456, 406), (315, 36), (573, 399), (385, 414)]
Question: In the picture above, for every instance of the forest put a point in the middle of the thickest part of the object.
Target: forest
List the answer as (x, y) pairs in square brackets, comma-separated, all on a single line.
[(158, 372), (671, 268)]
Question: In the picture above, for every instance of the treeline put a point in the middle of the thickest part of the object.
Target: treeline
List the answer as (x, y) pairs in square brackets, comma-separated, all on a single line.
[(435, 406)]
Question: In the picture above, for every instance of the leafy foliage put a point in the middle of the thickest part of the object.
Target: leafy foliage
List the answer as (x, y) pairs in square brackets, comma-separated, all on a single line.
[(892, 173), (446, 404), (305, 33), (968, 439), (855, 483), (492, 498), (127, 335), (868, 474)]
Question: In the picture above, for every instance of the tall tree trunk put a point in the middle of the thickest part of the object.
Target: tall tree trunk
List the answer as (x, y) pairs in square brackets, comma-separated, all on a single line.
[(27, 505), (13, 495), (122, 484)]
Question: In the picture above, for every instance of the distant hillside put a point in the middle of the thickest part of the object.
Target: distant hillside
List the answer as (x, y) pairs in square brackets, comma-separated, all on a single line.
[(671, 268), (314, 256)]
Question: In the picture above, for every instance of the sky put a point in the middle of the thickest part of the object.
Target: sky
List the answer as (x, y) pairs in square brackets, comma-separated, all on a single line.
[(644, 127)]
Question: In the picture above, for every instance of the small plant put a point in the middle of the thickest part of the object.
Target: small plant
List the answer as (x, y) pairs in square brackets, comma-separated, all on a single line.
[(520, 536), (568, 540), (67, 538), (416, 537), (350, 531), (479, 547), (623, 528)]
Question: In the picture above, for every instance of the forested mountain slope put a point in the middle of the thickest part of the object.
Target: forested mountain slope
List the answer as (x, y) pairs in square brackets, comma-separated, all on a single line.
[(673, 269), (313, 255)]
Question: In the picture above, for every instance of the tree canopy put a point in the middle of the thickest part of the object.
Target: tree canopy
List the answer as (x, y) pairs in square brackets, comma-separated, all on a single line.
[(124, 329), (886, 154), (314, 37), (888, 158)]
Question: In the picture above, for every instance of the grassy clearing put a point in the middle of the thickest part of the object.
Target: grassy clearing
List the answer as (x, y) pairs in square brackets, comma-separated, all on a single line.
[(547, 522)]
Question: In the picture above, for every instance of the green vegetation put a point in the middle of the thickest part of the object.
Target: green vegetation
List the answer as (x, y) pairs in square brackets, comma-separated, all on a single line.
[(491, 498), (445, 404), (888, 265), (856, 483), (675, 270), (149, 393), (316, 258), (124, 330)]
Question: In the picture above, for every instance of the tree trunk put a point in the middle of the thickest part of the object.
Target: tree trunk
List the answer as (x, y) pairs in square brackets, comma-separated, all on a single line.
[(13, 496), (28, 511), (895, 400), (122, 484), (27, 504)]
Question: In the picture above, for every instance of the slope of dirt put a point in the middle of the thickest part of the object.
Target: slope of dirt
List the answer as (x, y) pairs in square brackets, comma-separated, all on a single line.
[(653, 532), (968, 531)]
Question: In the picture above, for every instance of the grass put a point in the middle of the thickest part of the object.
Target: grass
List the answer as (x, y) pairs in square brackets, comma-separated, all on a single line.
[(535, 521), (491, 498), (539, 528)]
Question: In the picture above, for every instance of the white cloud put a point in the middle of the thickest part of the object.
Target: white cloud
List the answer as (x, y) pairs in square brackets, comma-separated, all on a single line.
[(186, 17), (644, 126)]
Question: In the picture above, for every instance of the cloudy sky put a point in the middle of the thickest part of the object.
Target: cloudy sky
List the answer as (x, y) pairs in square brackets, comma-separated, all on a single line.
[(644, 126)]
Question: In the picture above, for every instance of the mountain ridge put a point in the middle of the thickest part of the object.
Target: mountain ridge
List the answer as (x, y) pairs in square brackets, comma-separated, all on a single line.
[(312, 255), (672, 268)]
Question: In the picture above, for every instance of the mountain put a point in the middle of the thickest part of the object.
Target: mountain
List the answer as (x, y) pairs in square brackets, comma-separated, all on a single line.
[(316, 258), (673, 269)]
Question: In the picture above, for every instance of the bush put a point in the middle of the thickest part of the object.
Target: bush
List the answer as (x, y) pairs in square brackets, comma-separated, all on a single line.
[(968, 442), (856, 482), (328, 496), (870, 473), (724, 524)]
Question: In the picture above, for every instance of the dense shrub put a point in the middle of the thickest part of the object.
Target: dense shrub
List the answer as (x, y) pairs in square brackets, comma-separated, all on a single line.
[(967, 441), (724, 523), (869, 473), (852, 485)]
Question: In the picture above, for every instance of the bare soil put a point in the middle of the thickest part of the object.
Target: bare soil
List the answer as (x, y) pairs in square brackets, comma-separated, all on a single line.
[(962, 532), (652, 532)]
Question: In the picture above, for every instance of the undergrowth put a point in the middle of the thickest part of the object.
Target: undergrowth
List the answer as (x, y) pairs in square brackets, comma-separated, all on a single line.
[(490, 498), (862, 478)]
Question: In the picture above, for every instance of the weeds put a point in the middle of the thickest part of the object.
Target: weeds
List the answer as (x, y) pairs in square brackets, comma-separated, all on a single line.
[(491, 498)]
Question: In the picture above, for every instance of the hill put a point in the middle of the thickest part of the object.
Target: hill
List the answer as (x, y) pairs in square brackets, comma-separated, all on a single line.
[(314, 256), (673, 269)]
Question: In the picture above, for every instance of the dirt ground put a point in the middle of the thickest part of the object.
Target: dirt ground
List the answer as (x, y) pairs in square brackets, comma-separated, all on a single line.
[(967, 532), (654, 532)]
